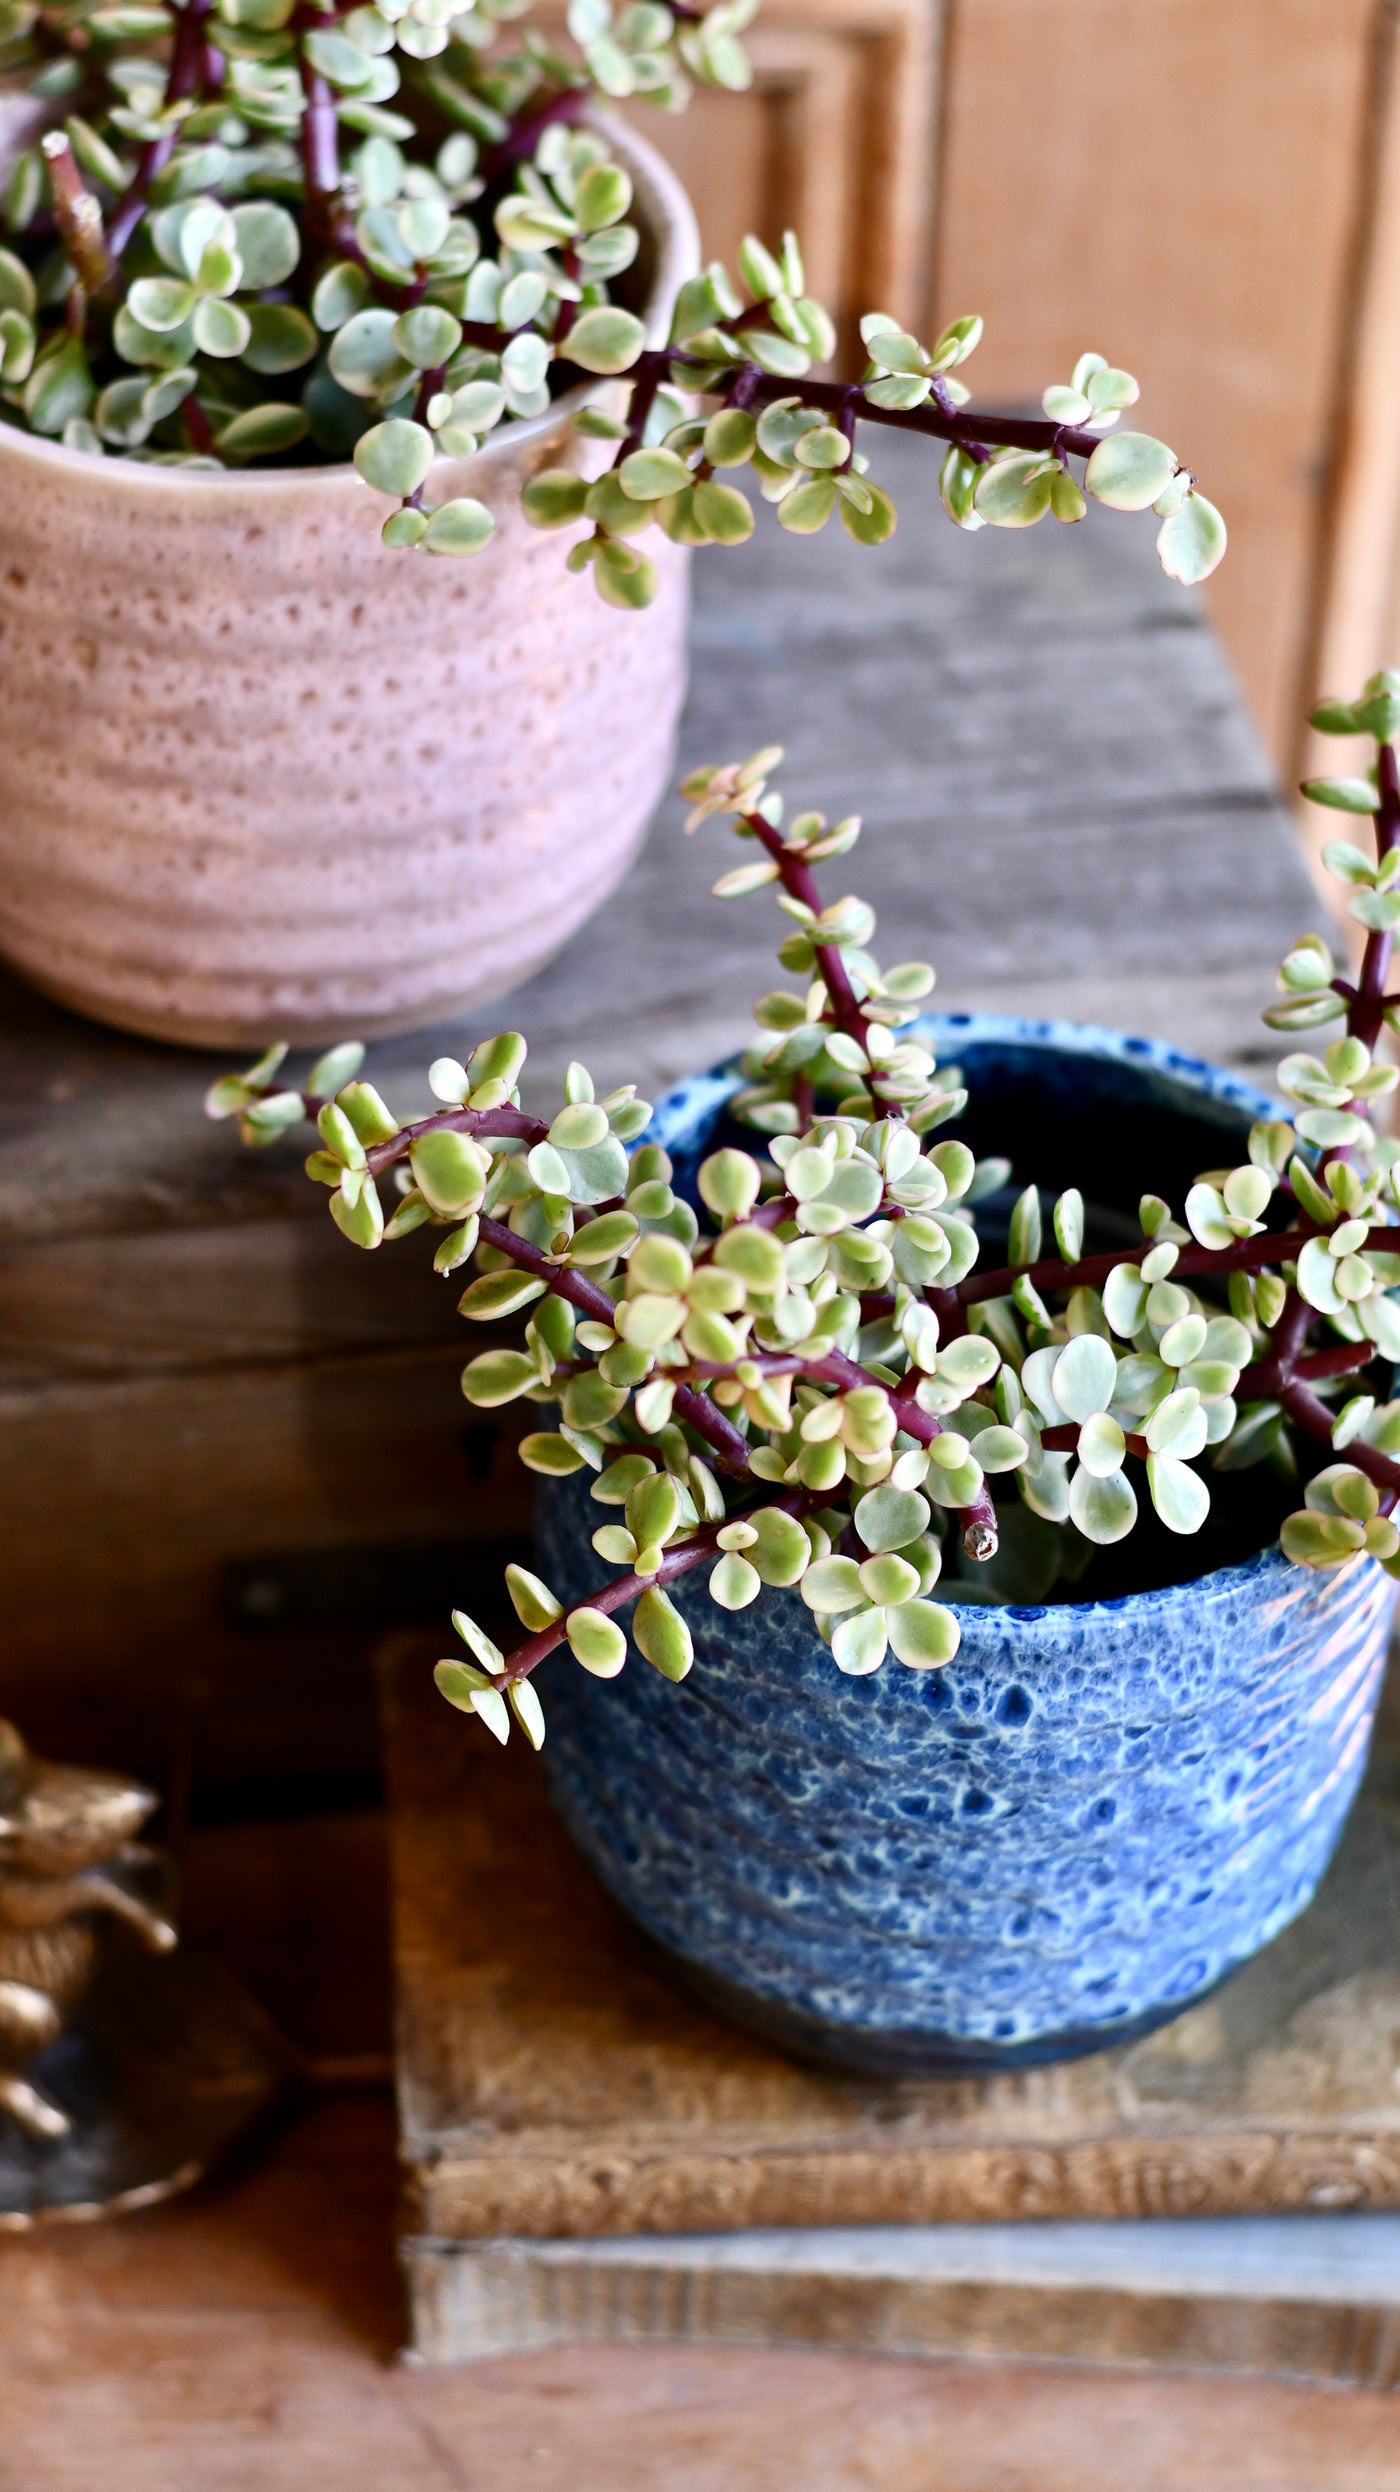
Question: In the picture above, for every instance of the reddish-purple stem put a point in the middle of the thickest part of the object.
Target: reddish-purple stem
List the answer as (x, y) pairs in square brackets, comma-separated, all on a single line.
[(1247, 1254), (624, 1588), (800, 883), (498, 1124), (1267, 1376), (750, 387), (978, 1520), (1366, 1012), (1316, 1420), (520, 143), (188, 66), (320, 150), (720, 1434)]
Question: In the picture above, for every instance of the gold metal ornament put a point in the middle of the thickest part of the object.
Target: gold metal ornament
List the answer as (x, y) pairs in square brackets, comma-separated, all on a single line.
[(67, 1833)]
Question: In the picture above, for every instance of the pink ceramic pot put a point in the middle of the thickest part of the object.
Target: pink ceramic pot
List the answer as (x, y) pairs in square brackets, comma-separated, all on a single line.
[(261, 777)]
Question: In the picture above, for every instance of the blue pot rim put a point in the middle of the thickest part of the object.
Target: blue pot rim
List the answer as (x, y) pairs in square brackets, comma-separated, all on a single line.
[(700, 1095)]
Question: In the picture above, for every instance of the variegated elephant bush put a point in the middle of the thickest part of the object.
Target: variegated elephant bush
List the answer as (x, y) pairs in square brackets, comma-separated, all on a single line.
[(813, 1375), (301, 231)]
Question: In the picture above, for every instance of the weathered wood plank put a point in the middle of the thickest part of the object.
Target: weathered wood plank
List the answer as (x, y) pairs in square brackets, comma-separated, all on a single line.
[(242, 2342), (165, 1301), (127, 1503), (1308, 2297)]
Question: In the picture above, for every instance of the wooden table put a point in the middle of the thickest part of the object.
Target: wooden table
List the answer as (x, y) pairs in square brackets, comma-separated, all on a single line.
[(244, 2340)]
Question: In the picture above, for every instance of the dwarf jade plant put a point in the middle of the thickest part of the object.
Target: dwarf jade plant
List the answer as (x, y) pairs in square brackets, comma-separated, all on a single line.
[(300, 230), (810, 1375)]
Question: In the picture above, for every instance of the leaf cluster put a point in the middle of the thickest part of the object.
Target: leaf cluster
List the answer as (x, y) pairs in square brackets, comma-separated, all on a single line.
[(805, 1377), (323, 220), (295, 230)]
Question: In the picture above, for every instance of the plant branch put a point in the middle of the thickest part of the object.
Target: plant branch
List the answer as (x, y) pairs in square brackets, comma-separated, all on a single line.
[(970, 427), (584, 1295), (1267, 1377), (76, 213), (719, 1433), (1063, 1438), (1316, 1420), (800, 883), (498, 1123), (625, 1588), (979, 1521), (1366, 1009), (188, 68), (1247, 1254), (749, 387), (320, 150)]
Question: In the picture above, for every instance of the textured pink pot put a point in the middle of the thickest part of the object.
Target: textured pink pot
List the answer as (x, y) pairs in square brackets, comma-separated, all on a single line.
[(261, 777)]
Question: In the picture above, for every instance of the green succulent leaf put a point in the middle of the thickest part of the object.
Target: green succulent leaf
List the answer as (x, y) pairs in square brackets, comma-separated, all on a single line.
[(395, 456), (268, 244), (1014, 491), (661, 1634), (1179, 1494), (1191, 541), (220, 329), (280, 338), (605, 339), (498, 1376), (459, 527), (924, 1635), (1129, 471), (265, 432), (1345, 795)]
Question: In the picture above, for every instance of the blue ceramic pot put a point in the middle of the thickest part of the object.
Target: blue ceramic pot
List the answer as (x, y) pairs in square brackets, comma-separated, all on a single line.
[(1099, 1809)]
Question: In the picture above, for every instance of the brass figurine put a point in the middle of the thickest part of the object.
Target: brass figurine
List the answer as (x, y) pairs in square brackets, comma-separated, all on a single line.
[(64, 1831)]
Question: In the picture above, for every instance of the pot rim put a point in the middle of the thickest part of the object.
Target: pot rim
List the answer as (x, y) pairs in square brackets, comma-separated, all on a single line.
[(667, 208), (703, 1094)]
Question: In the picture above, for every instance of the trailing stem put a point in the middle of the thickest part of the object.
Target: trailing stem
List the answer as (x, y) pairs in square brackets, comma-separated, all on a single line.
[(1366, 1006), (800, 883), (189, 66), (623, 1589)]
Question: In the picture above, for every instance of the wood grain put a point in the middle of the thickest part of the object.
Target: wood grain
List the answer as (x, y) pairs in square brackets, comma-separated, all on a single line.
[(836, 138), (1044, 742), (1253, 2295), (242, 2342), (166, 1302), (1354, 630), (555, 2081), (129, 1500), (1175, 183)]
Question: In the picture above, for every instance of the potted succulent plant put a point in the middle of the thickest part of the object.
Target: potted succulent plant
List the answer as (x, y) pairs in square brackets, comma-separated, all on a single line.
[(251, 247), (985, 1420)]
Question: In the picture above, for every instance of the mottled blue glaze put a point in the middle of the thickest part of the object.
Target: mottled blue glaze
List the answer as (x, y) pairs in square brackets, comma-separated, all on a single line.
[(1094, 1814)]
